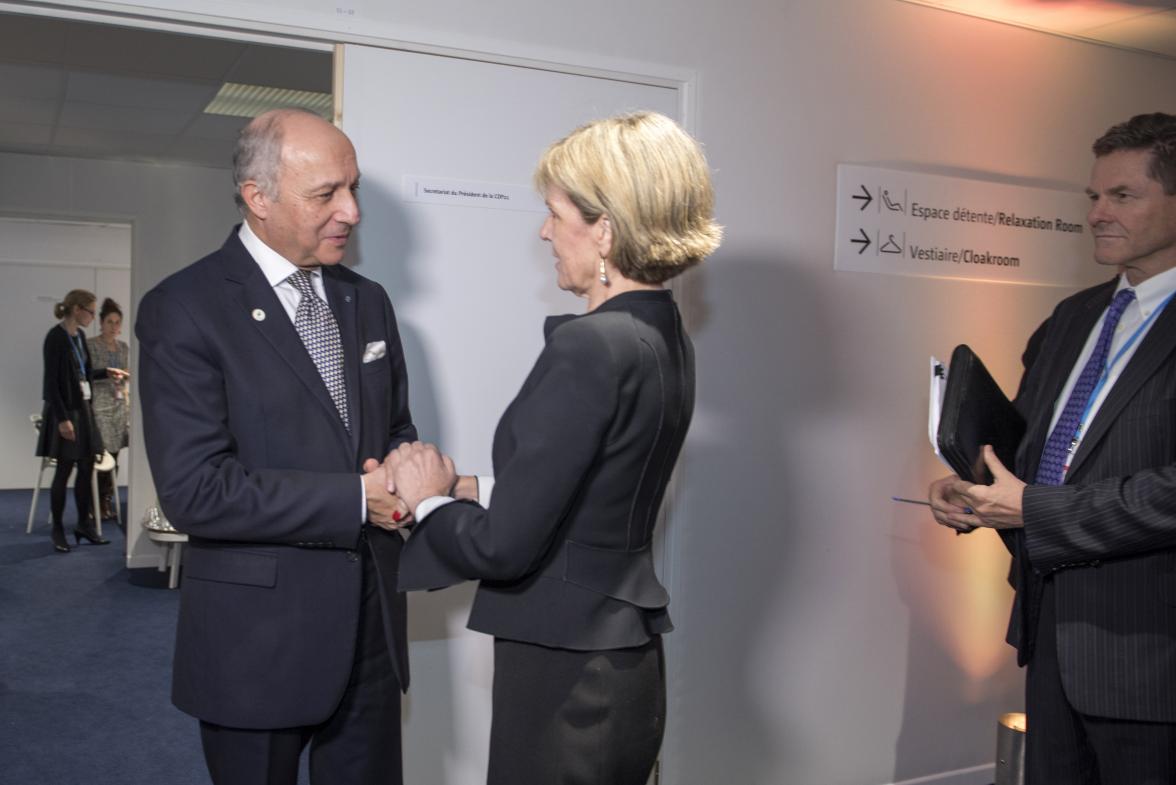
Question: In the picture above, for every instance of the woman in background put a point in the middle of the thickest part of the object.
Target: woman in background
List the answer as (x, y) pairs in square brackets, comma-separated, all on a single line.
[(582, 458), (110, 395), (68, 433)]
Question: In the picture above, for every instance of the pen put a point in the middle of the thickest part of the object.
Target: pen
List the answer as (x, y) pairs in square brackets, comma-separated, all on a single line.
[(910, 501), (967, 510)]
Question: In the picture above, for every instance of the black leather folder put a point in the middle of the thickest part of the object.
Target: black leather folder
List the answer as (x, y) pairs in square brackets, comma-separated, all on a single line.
[(976, 412)]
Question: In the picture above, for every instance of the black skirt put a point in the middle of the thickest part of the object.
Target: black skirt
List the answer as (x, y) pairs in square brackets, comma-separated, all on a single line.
[(565, 717), (86, 446)]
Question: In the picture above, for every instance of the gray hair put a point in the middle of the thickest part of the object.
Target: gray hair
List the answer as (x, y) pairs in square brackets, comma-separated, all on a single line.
[(258, 154)]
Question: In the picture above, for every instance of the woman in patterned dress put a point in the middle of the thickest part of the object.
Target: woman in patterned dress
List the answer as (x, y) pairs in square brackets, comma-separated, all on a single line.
[(111, 409)]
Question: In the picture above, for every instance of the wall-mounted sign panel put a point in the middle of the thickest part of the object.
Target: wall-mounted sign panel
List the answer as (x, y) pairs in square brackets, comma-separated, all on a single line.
[(467, 193), (908, 223)]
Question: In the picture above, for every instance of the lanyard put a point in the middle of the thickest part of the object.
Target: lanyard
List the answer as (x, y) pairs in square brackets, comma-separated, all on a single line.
[(1102, 380), (79, 354)]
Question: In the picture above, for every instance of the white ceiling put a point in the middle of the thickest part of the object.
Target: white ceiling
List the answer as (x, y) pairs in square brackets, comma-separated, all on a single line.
[(1144, 25), (95, 91)]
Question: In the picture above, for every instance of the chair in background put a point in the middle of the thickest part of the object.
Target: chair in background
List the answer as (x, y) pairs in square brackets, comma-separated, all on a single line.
[(45, 463), (106, 464), (160, 530)]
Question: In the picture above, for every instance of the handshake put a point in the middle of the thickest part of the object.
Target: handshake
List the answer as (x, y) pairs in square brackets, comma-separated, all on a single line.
[(408, 475)]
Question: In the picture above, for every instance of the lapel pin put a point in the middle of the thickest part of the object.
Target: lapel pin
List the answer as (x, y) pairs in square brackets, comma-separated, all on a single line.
[(346, 298), (258, 315)]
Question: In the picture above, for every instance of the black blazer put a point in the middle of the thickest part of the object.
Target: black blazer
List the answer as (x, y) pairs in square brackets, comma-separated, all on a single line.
[(582, 457), (1107, 536), (251, 459), (61, 385), (61, 391)]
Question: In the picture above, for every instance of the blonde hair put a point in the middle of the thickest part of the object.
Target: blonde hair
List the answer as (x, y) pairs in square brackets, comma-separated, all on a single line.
[(77, 298), (650, 178)]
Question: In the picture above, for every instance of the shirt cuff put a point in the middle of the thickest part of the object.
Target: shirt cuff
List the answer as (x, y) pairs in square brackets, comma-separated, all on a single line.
[(362, 501), (430, 504), (485, 488)]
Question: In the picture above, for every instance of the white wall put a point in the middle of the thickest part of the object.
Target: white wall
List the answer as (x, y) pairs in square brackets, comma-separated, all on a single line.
[(39, 262), (825, 636), (177, 213)]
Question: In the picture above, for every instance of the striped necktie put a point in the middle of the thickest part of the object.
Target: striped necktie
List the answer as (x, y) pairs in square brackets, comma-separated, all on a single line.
[(1052, 469)]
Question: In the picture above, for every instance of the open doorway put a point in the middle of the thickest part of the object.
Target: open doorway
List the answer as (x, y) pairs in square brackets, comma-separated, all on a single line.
[(102, 125)]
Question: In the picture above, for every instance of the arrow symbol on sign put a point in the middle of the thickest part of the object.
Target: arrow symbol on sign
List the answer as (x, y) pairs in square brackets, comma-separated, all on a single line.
[(864, 199), (865, 241)]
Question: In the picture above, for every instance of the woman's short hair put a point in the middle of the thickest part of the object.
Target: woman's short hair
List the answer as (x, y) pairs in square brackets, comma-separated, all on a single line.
[(651, 179), (109, 306), (77, 298)]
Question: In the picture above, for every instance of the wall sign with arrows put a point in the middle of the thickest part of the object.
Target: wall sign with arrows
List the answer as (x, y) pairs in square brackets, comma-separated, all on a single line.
[(910, 223)]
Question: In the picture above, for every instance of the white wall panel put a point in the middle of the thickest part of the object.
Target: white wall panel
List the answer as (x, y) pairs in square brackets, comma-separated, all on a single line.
[(471, 286)]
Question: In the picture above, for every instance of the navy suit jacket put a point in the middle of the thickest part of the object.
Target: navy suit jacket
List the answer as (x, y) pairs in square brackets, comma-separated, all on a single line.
[(1106, 537), (251, 459)]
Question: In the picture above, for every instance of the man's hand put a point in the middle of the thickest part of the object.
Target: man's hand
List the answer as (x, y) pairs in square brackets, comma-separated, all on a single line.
[(964, 506), (384, 508), (418, 471), (997, 506), (948, 506)]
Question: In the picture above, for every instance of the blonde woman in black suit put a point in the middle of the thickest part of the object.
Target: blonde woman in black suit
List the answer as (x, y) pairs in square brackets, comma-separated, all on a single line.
[(68, 433), (582, 458)]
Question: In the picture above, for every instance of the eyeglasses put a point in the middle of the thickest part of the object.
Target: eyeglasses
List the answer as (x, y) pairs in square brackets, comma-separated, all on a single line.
[(90, 311)]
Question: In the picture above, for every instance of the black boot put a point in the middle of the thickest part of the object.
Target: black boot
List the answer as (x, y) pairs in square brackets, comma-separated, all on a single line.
[(59, 542), (90, 532)]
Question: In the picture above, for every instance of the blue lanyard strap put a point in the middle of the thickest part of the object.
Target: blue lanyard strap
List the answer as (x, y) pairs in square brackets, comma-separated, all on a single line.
[(1102, 380), (79, 354)]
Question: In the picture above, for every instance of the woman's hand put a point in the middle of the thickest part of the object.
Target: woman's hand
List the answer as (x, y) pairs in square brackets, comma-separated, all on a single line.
[(384, 508), (418, 471), (66, 429)]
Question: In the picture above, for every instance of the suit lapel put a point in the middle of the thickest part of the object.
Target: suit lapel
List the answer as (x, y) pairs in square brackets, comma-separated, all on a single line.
[(254, 295), (1153, 350), (342, 296)]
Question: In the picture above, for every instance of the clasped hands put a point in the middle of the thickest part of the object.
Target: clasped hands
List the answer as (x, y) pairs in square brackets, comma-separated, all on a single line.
[(408, 475), (960, 505)]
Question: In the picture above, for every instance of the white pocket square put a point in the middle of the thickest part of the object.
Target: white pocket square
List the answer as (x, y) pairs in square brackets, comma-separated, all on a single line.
[(374, 351)]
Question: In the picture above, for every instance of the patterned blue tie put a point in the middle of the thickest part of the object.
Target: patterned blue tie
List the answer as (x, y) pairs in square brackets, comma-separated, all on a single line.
[(319, 332), (1051, 470)]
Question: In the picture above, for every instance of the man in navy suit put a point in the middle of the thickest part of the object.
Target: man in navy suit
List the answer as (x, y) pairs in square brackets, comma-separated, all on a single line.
[(269, 373), (1089, 511)]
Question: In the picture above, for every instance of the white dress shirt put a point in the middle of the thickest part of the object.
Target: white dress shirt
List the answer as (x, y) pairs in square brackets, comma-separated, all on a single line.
[(277, 269), (485, 489), (1150, 295)]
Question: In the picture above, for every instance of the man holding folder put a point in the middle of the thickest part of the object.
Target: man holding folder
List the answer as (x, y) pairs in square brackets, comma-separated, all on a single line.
[(1089, 508)]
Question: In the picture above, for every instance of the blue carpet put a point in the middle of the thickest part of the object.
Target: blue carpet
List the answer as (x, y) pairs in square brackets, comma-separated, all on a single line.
[(85, 663)]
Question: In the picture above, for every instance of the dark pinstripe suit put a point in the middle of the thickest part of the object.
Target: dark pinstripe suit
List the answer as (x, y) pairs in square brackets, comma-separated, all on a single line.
[(1106, 538)]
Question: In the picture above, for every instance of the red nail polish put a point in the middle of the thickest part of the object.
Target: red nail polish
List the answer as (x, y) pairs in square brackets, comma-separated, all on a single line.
[(396, 516)]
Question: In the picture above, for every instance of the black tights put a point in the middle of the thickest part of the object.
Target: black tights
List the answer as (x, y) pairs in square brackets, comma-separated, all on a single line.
[(82, 492)]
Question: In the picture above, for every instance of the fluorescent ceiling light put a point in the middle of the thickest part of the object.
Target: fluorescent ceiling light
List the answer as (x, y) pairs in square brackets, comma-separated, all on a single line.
[(246, 100)]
